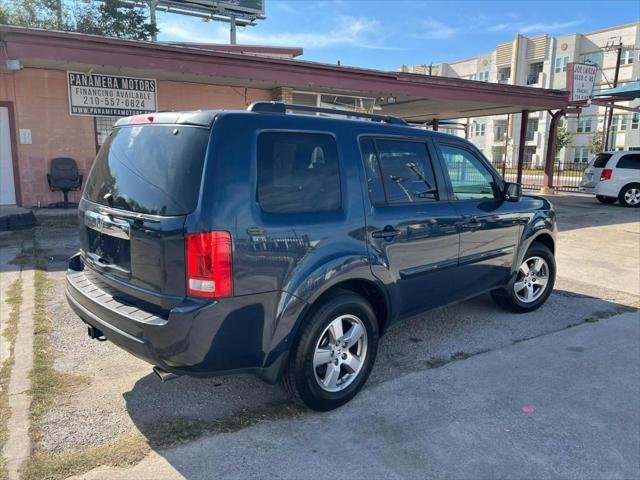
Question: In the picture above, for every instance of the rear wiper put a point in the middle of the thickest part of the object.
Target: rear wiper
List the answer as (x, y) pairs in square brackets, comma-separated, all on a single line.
[(137, 218)]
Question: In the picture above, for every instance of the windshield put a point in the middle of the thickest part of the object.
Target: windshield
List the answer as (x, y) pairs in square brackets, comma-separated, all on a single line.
[(150, 169)]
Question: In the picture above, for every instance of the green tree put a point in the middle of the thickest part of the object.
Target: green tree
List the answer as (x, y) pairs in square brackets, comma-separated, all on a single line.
[(109, 18), (596, 145), (31, 13), (563, 139)]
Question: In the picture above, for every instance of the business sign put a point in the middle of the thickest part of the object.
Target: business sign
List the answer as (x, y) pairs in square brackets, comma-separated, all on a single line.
[(241, 8), (580, 80), (98, 95)]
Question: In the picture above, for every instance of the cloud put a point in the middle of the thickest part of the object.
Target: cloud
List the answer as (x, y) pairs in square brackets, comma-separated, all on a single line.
[(432, 29), (524, 27), (554, 27), (360, 32)]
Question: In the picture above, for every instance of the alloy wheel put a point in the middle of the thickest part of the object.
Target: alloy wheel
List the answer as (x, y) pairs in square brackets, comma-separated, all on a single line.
[(632, 196), (532, 279), (340, 353)]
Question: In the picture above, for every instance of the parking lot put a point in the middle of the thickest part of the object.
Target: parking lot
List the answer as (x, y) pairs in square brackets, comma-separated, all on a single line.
[(445, 399)]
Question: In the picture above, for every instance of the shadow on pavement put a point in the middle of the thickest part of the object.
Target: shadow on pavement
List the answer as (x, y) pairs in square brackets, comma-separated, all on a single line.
[(188, 408)]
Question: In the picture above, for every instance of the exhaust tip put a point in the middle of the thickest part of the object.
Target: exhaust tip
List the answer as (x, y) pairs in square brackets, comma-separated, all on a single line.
[(163, 375)]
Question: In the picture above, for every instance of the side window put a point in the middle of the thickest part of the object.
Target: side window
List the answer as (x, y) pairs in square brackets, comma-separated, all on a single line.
[(405, 169), (298, 172), (631, 161), (470, 179)]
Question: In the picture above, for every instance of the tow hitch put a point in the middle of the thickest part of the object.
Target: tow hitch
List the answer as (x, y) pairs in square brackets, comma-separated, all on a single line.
[(95, 334)]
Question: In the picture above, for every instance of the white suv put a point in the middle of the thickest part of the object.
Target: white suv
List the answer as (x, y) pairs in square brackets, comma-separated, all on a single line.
[(613, 176)]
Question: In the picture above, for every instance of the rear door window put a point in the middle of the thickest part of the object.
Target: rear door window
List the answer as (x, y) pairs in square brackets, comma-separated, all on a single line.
[(630, 161), (155, 170), (601, 160), (298, 173)]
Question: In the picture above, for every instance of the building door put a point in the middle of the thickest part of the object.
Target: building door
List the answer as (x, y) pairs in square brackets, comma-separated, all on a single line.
[(7, 186)]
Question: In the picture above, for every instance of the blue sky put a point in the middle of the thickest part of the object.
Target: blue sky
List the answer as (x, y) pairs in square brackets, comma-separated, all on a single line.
[(385, 34)]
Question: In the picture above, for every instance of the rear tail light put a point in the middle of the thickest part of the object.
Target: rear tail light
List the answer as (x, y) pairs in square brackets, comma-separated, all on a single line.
[(209, 264), (606, 174), (138, 119)]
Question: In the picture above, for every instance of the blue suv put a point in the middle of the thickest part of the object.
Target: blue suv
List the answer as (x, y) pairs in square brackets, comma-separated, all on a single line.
[(217, 242)]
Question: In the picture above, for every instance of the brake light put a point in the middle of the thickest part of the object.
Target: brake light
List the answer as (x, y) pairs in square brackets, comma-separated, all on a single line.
[(209, 264), (606, 174), (138, 119)]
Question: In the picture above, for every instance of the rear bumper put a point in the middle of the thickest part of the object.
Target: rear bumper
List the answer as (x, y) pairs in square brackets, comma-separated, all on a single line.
[(197, 338)]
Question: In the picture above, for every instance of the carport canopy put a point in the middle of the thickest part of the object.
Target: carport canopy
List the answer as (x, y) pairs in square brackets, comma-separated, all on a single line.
[(417, 98)]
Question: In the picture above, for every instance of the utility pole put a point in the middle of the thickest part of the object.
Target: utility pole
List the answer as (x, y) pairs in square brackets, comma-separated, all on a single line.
[(59, 14), (152, 17), (609, 117)]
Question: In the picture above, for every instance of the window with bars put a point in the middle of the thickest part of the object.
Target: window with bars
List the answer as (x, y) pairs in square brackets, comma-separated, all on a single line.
[(104, 126)]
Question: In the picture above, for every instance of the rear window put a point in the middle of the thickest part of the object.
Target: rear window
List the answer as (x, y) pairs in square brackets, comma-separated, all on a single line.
[(298, 172), (631, 161), (601, 160), (150, 169)]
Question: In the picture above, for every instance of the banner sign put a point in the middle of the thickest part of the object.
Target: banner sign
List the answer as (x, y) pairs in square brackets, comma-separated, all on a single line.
[(580, 80), (98, 95)]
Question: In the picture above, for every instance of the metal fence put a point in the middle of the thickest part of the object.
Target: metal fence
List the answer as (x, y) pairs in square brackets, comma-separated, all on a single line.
[(566, 176)]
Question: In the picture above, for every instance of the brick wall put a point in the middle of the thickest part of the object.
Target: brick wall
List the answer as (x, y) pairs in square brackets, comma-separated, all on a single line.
[(40, 102)]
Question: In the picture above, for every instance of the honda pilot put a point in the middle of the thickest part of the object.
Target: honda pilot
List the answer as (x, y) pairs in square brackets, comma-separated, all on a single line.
[(285, 245)]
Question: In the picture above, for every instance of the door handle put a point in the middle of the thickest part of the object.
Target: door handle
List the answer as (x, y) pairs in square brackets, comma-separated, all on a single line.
[(387, 233), (472, 224)]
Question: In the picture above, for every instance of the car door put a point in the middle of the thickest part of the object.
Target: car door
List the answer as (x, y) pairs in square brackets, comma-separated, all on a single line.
[(627, 170), (411, 228), (489, 226)]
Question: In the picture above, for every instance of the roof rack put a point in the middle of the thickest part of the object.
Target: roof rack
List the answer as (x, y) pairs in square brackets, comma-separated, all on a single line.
[(279, 107)]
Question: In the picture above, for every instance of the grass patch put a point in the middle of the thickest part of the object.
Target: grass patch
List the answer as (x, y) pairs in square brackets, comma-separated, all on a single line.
[(14, 300), (47, 383), (54, 466), (130, 450)]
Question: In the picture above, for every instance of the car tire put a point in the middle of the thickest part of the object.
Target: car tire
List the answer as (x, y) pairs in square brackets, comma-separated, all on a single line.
[(310, 377), (524, 293), (603, 199), (630, 195)]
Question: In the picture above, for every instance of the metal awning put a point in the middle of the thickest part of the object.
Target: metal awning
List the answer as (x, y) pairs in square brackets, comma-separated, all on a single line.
[(630, 90)]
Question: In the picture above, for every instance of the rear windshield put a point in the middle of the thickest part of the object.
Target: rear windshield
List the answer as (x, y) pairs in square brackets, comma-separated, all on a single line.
[(601, 160), (150, 169)]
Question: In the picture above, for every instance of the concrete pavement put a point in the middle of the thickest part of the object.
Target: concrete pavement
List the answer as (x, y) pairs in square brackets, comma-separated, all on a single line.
[(464, 420)]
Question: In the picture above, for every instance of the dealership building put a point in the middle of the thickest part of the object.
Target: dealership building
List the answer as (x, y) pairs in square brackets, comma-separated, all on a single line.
[(61, 92)]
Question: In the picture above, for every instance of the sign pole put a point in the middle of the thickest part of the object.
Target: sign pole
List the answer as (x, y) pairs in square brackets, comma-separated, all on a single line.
[(609, 117), (232, 29)]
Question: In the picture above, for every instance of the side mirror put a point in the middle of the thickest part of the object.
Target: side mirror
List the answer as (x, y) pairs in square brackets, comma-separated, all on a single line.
[(512, 192)]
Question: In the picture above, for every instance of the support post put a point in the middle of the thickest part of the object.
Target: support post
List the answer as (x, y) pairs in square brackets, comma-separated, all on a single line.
[(550, 156), (434, 124), (524, 122), (232, 29)]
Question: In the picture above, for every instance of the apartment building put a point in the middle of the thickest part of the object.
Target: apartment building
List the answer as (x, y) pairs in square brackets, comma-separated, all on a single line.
[(542, 61)]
